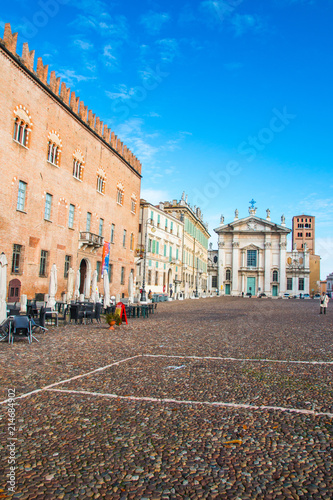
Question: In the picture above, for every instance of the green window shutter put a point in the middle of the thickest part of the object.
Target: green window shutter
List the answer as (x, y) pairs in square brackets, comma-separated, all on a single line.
[(165, 250), (170, 254), (154, 246), (158, 218), (157, 247), (177, 253)]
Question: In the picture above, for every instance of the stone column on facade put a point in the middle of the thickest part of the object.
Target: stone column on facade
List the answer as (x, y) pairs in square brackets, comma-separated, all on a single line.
[(235, 267), (260, 275), (220, 264), (282, 270), (267, 268)]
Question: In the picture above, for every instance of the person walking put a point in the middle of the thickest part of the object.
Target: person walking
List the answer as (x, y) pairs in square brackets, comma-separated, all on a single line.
[(323, 303)]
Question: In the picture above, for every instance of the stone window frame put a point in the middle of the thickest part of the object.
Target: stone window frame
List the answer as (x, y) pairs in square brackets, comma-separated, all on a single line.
[(54, 146), (120, 194), (133, 203), (78, 165), (22, 126)]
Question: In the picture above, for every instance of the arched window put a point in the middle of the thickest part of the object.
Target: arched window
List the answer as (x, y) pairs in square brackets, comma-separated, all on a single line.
[(120, 193), (133, 203), (78, 164), (275, 276), (228, 275), (101, 177), (54, 148), (22, 125)]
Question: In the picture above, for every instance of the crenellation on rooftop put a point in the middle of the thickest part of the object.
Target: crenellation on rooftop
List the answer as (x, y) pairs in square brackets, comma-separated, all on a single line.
[(74, 103), (42, 70), (28, 57)]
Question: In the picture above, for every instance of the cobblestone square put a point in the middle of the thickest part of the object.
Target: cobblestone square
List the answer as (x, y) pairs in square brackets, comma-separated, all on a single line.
[(212, 398)]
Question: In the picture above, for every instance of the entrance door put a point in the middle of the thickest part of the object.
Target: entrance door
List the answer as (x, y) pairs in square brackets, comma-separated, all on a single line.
[(275, 291), (83, 272), (251, 286), (14, 294), (227, 289)]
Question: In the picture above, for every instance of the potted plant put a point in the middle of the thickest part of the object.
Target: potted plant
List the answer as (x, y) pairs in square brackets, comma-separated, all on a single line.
[(113, 319)]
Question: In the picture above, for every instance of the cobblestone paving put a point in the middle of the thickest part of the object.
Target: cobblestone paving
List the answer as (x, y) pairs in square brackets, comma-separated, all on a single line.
[(170, 417)]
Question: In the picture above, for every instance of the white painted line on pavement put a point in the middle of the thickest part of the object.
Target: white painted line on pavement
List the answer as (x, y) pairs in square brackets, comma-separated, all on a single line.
[(238, 359), (185, 402), (70, 379)]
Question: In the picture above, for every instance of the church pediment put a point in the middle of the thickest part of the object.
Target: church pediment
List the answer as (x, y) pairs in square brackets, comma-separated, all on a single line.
[(252, 224)]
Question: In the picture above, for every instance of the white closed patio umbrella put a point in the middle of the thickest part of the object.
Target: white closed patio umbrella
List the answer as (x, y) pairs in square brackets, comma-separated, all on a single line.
[(106, 288), (94, 289), (53, 286), (3, 287), (86, 286), (70, 284), (130, 287), (77, 285)]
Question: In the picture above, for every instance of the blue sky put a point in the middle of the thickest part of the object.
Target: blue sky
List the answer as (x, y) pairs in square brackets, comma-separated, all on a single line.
[(225, 100)]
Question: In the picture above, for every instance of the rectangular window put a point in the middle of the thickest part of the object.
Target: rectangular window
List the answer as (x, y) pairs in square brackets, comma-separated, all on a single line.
[(301, 284), (112, 233), (166, 224), (252, 258), (133, 205), (21, 196), (149, 245), (289, 283), (17, 250), (156, 278), (152, 215), (165, 250), (100, 229), (214, 281), (149, 277), (110, 273), (48, 206), (153, 246), (88, 223), (132, 242), (158, 220), (157, 247), (43, 263), (71, 216), (124, 238), (171, 227), (67, 265), (170, 253), (177, 253), (122, 276), (98, 269)]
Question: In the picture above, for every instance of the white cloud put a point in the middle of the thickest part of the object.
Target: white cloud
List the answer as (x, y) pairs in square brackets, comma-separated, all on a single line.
[(153, 21), (168, 49), (154, 196), (121, 92), (70, 77), (83, 45)]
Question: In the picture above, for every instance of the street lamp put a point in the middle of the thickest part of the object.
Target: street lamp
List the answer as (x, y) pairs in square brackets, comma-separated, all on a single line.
[(153, 229)]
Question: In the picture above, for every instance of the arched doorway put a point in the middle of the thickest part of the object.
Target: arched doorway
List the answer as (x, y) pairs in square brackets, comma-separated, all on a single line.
[(169, 281), (83, 272), (14, 291), (85, 277)]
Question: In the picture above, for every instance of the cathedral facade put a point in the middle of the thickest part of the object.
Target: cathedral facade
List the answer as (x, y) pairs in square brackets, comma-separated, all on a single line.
[(253, 258)]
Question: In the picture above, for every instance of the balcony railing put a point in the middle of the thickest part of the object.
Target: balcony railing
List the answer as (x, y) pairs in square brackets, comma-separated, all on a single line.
[(90, 240)]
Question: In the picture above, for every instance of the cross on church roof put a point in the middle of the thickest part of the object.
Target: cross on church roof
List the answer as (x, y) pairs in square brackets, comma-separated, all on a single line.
[(252, 203)]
